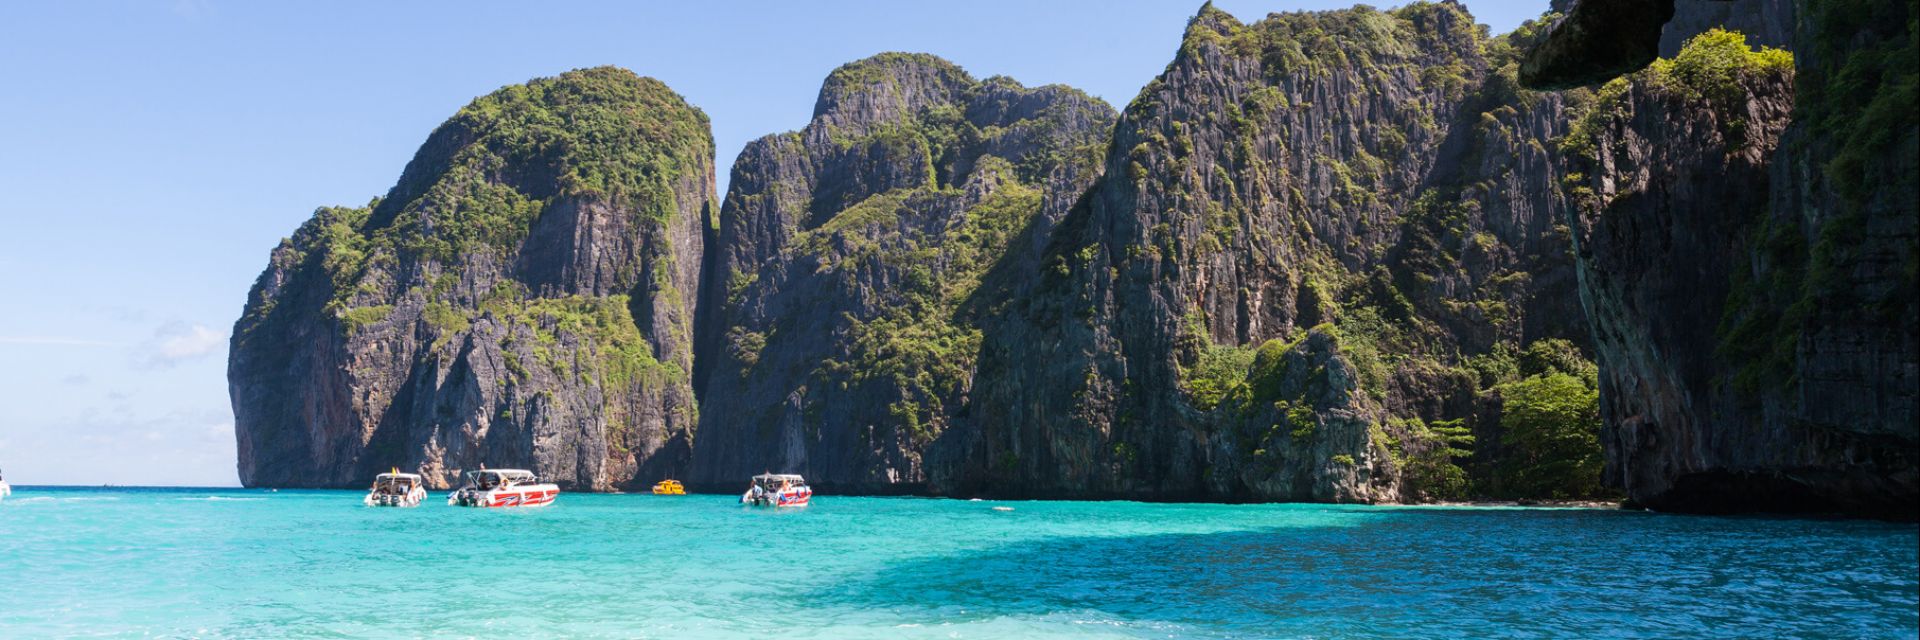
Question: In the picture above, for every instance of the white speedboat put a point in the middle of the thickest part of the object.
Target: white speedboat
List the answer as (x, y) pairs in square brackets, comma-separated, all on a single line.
[(397, 490), (778, 490), (503, 488)]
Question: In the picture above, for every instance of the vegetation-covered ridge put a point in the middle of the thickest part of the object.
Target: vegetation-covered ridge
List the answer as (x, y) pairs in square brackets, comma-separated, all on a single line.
[(1337, 256), (1319, 250), (858, 324), (542, 247), (483, 177)]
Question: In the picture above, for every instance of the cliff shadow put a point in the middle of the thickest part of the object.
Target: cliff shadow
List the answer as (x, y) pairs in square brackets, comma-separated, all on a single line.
[(1480, 572)]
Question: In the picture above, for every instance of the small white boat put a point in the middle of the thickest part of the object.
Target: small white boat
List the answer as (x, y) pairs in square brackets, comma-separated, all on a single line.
[(503, 488), (778, 490), (4, 489), (397, 490)]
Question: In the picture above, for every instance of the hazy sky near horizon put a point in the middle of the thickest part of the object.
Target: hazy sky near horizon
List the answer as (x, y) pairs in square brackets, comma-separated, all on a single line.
[(152, 153)]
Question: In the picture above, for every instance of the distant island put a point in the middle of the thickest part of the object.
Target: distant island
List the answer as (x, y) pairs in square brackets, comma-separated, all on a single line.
[(1357, 256)]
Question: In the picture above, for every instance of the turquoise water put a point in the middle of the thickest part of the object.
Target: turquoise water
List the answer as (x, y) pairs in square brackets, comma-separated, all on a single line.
[(251, 564)]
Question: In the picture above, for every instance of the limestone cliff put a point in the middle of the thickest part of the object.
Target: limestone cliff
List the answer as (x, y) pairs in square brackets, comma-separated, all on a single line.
[(523, 297), (1747, 248), (855, 258), (1339, 256), (1376, 172)]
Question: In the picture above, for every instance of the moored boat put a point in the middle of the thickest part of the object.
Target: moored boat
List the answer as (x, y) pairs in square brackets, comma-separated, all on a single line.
[(503, 488), (396, 489), (669, 488), (778, 490)]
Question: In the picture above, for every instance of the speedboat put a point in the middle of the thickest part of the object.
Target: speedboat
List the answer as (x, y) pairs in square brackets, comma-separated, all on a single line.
[(503, 488), (669, 488), (396, 490), (778, 490)]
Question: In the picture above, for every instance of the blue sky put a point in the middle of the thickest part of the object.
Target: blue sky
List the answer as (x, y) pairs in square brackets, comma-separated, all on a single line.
[(152, 153)]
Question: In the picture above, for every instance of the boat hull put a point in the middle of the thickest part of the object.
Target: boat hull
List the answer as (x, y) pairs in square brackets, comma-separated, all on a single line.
[(535, 495), (409, 499), (797, 497)]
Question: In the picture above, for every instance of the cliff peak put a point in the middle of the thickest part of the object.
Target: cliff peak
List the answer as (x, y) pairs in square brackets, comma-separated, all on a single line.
[(576, 134), (521, 297), (886, 87)]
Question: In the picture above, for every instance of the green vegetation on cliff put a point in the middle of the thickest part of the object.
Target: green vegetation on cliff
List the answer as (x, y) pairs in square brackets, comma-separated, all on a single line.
[(520, 276), (484, 177), (1552, 425), (967, 165), (1714, 68)]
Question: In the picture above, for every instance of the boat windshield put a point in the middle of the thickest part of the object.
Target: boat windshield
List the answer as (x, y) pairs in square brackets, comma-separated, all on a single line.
[(491, 478), (773, 482), (395, 484)]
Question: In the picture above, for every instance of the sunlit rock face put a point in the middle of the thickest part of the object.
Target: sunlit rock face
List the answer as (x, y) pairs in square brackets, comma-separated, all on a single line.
[(856, 260), (523, 297)]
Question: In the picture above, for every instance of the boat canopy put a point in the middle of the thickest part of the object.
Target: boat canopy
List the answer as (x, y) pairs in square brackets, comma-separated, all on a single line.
[(778, 477), (516, 475), (397, 476)]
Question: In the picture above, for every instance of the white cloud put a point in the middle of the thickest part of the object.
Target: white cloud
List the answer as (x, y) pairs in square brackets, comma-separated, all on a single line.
[(175, 342)]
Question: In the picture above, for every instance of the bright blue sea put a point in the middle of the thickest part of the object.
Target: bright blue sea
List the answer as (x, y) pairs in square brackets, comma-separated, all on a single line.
[(254, 564)]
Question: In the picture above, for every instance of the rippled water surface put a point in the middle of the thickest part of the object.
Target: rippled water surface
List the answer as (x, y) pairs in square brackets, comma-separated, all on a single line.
[(251, 564)]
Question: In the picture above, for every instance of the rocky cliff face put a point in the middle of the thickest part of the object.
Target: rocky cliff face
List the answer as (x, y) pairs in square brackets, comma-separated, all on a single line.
[(1338, 256), (523, 297), (1747, 245), (854, 260), (1377, 174)]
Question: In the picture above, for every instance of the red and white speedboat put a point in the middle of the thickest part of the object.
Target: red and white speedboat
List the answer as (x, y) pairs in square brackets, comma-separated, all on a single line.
[(503, 488), (778, 490)]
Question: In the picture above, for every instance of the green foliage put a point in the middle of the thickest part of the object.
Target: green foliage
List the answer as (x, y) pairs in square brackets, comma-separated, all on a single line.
[(745, 347), (1557, 355), (1858, 101), (1711, 67), (1862, 97), (1219, 370), (879, 76), (858, 223), (1300, 418), (491, 170), (1269, 369), (1495, 367), (601, 131), (1551, 427), (918, 349), (1314, 304), (622, 353), (924, 362), (912, 346), (603, 328), (1370, 341), (446, 322), (1430, 459), (358, 318)]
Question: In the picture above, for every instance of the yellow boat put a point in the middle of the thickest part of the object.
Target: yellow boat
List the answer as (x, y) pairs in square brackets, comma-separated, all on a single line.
[(669, 488)]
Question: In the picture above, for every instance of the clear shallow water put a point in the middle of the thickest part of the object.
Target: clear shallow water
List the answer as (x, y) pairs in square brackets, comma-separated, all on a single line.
[(248, 564)]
